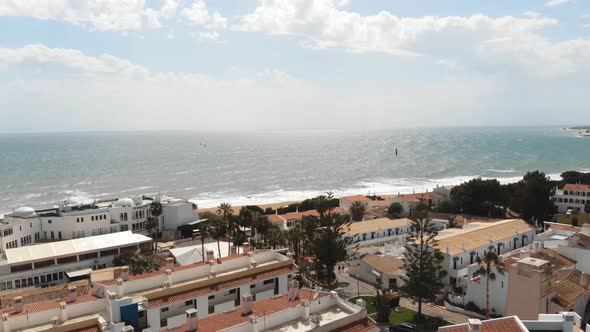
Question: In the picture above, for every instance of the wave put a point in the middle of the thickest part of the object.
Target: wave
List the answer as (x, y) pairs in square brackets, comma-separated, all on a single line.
[(381, 186), (502, 170)]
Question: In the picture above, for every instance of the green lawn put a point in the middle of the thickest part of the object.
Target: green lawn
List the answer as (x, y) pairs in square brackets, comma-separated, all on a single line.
[(403, 315), (369, 300), (583, 218)]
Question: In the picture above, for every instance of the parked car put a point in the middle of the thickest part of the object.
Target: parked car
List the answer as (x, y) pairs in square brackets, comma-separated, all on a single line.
[(403, 327)]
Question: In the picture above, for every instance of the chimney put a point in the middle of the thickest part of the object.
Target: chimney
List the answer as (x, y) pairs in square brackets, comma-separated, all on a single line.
[(253, 264), (254, 323), (524, 253), (64, 311), (54, 321), (586, 229), (112, 295), (474, 325), (361, 302), (72, 293), (120, 287), (568, 322), (5, 323), (306, 310), (584, 280), (246, 248), (210, 255), (127, 328), (166, 284), (192, 320), (169, 276), (247, 304), (18, 303), (125, 273), (212, 268), (170, 263), (293, 290)]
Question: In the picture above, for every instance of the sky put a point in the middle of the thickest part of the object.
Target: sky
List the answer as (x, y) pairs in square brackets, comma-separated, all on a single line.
[(101, 65)]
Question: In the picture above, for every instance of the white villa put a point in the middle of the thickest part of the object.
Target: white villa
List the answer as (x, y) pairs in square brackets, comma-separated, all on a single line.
[(26, 226), (574, 197)]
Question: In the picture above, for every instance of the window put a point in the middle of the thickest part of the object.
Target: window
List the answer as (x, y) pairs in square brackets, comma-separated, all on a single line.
[(269, 281), (211, 297), (52, 235), (59, 235), (189, 302), (8, 231), (49, 279), (36, 280), (232, 291), (164, 309), (92, 218), (252, 286), (82, 219), (17, 284), (77, 219), (211, 309), (49, 221), (61, 276)]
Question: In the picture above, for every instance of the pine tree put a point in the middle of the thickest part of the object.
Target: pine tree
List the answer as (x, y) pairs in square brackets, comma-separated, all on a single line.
[(422, 265)]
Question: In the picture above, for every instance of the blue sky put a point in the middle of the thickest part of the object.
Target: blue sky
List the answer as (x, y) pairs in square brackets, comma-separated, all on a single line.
[(281, 64)]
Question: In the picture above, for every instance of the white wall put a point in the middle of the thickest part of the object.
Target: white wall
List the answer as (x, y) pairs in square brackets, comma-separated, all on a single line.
[(476, 292), (579, 255)]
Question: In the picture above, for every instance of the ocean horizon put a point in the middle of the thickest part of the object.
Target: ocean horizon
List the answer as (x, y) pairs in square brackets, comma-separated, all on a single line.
[(258, 167)]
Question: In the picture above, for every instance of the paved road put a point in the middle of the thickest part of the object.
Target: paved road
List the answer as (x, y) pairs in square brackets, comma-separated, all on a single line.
[(350, 287)]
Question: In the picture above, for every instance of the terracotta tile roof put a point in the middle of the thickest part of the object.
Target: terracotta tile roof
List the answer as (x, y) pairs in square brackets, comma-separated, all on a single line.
[(576, 187), (578, 277), (356, 198), (163, 270), (508, 261), (48, 305), (228, 319), (374, 225), (363, 325), (558, 261), (566, 293), (504, 324), (565, 227), (383, 264), (275, 218), (480, 235), (196, 292), (583, 240)]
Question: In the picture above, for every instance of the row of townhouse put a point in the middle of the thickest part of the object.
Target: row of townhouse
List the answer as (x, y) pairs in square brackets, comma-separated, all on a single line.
[(559, 322), (552, 276), (572, 197), (253, 291), (26, 226), (462, 246)]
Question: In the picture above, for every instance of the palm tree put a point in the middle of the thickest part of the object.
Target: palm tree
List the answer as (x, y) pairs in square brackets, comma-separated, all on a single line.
[(357, 211), (204, 232), (218, 230), (295, 236), (225, 210), (152, 221), (490, 258)]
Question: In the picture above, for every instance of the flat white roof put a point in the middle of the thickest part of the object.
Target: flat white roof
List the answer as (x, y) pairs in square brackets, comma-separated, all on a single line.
[(70, 247), (192, 254)]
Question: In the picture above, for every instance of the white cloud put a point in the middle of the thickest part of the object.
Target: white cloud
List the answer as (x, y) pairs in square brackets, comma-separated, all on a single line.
[(555, 3), (70, 59), (102, 15), (198, 14), (326, 24)]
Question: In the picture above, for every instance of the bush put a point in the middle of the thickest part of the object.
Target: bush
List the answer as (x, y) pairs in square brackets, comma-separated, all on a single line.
[(471, 306)]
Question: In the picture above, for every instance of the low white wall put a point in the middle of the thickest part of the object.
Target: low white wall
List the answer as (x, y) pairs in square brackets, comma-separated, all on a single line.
[(452, 308)]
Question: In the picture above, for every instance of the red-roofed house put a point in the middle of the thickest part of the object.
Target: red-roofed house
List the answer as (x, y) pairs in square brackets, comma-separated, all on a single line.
[(575, 197)]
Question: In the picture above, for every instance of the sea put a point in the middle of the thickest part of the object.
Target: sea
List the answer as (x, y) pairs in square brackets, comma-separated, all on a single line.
[(258, 167)]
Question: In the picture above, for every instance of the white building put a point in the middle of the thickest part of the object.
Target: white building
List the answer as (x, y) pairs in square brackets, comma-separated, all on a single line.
[(347, 201), (376, 231), (374, 268), (55, 263), (25, 225), (560, 322), (461, 246), (573, 197), (247, 292)]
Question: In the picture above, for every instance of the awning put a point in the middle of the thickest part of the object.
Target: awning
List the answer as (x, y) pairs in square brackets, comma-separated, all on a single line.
[(78, 273)]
